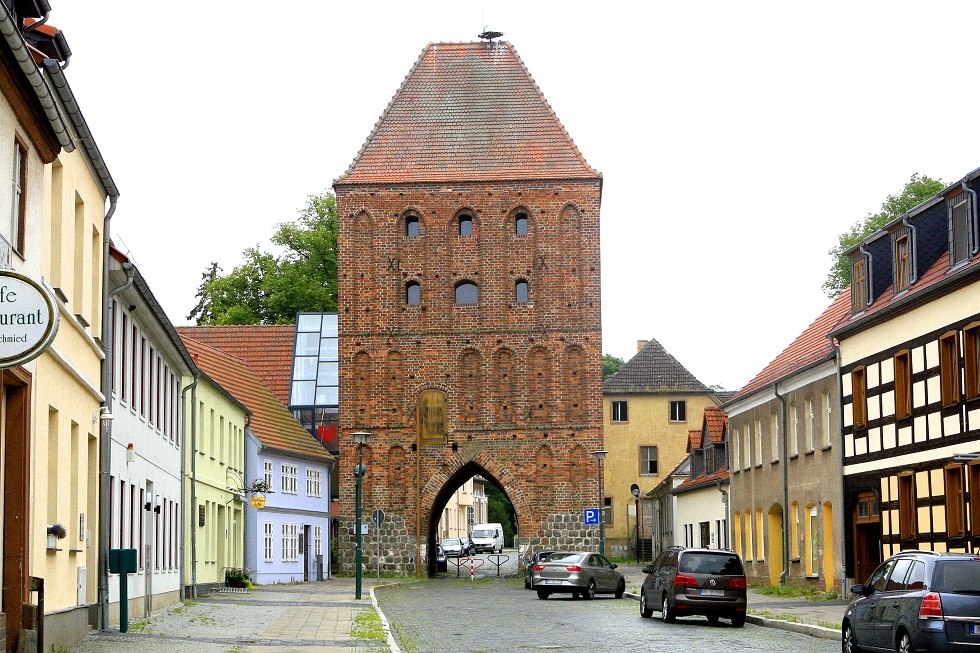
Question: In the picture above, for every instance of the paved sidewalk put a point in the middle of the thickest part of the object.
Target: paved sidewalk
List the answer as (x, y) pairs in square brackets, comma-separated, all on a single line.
[(302, 617), (794, 614)]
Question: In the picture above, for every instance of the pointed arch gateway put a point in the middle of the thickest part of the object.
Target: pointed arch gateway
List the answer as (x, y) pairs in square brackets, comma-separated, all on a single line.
[(441, 486)]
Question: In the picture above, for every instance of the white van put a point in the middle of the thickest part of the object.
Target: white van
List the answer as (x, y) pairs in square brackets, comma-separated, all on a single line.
[(488, 537)]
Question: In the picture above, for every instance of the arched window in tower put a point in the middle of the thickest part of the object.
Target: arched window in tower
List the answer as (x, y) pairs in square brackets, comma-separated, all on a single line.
[(412, 227), (465, 225), (413, 293), (467, 293), (520, 224), (521, 291)]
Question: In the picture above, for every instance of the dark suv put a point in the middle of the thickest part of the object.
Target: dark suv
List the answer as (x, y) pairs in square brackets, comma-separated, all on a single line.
[(681, 582), (916, 601)]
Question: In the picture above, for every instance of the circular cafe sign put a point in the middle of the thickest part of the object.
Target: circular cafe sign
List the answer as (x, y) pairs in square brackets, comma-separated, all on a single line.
[(28, 318)]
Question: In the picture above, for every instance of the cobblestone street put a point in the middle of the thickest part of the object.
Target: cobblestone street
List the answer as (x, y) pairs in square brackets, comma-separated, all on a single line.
[(446, 615)]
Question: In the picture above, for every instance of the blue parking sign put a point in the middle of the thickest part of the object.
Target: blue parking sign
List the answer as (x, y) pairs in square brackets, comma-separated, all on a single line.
[(591, 515)]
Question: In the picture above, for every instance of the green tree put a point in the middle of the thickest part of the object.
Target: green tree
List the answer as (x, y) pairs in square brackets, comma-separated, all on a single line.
[(916, 190), (610, 365), (270, 289), (500, 511)]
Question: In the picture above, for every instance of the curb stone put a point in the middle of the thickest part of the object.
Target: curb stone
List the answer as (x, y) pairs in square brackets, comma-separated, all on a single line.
[(791, 626), (392, 644)]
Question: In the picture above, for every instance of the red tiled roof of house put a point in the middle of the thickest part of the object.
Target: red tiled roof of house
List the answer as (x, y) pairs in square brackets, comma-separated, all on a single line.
[(716, 420), (937, 272), (811, 346), (467, 112), (693, 440), (268, 350), (274, 426), (704, 479)]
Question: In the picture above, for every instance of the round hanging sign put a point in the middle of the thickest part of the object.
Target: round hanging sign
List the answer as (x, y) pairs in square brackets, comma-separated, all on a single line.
[(28, 318), (258, 501)]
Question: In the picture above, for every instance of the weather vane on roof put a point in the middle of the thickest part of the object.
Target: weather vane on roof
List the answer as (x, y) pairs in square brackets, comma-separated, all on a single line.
[(489, 35)]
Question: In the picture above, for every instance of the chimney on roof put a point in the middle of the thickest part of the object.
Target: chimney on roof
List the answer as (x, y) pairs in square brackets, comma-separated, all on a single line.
[(640, 344)]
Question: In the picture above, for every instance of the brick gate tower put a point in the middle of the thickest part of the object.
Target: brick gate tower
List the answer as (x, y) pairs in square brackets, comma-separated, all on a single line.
[(470, 338)]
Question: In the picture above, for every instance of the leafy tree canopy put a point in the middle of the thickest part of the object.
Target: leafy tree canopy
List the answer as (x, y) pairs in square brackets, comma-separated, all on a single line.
[(500, 511), (610, 365), (917, 190), (270, 289)]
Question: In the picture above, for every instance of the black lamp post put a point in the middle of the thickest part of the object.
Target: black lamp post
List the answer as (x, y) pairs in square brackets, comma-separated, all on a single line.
[(361, 439), (600, 455), (635, 491)]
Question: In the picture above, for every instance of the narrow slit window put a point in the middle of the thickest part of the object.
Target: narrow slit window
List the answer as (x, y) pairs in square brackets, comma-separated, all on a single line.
[(465, 226), (411, 226), (413, 293), (520, 291), (520, 224)]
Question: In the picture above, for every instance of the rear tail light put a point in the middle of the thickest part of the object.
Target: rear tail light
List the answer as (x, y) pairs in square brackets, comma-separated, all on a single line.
[(931, 607), (573, 568), (737, 584), (538, 567), (680, 580)]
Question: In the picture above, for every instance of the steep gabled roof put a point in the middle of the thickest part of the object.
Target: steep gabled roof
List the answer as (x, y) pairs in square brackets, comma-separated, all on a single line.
[(271, 423), (467, 112), (811, 346), (268, 350), (653, 370)]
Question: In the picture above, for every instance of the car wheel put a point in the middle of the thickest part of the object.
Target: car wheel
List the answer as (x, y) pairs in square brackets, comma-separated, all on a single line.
[(543, 594), (847, 643), (738, 620), (620, 589), (904, 644), (645, 610), (666, 613), (589, 592)]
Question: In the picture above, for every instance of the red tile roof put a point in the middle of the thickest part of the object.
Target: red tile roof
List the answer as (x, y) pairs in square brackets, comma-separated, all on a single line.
[(693, 440), (468, 112), (810, 347), (274, 426), (716, 421), (268, 350), (703, 480)]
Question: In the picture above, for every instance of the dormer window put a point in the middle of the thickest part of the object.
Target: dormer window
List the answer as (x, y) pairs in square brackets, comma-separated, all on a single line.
[(902, 248), (859, 284), (960, 210)]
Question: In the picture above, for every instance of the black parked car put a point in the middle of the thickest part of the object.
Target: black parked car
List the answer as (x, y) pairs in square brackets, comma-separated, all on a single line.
[(529, 565), (916, 601), (682, 582)]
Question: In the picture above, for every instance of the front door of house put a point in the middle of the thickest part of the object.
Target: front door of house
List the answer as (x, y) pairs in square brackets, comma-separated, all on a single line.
[(867, 536)]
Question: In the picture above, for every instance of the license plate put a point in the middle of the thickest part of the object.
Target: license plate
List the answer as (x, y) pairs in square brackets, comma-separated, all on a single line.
[(711, 592), (551, 582), (974, 629)]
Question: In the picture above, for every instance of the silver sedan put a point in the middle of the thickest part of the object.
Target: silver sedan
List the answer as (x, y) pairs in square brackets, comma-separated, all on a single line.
[(579, 573)]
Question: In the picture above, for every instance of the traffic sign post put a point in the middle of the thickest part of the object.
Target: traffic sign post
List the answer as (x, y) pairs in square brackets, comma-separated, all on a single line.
[(378, 517)]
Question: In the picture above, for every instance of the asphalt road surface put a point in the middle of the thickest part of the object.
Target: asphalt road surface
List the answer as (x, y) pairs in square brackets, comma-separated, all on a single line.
[(449, 615)]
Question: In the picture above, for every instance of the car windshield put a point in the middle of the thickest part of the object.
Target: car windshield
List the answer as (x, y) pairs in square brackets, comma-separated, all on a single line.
[(716, 564), (957, 576), (487, 533), (450, 542)]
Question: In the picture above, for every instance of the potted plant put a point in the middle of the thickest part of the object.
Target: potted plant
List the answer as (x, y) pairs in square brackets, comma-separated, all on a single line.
[(55, 532), (235, 578)]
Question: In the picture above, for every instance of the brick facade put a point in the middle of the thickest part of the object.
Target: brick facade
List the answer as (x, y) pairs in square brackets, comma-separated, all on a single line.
[(522, 382)]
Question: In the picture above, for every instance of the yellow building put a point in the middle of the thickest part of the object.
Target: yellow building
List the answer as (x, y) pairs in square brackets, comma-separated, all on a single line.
[(67, 383), (649, 406)]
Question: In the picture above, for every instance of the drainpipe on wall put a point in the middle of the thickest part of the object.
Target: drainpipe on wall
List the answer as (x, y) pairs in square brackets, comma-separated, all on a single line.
[(193, 504), (183, 478), (105, 433), (784, 463)]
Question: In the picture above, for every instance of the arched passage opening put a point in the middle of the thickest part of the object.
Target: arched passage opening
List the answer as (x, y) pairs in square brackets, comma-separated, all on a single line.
[(443, 498)]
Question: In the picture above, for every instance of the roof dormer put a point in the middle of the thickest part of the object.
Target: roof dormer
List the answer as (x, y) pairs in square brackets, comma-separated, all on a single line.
[(961, 211)]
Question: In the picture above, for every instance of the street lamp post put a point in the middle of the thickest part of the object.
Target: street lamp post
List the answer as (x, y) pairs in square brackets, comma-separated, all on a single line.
[(361, 439), (600, 455), (635, 491)]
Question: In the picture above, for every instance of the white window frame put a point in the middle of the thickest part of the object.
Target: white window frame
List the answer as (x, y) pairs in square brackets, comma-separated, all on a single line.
[(794, 440), (267, 530), (825, 432), (312, 482), (811, 438), (317, 540), (289, 542), (267, 473), (677, 404), (774, 434), (289, 474), (616, 415), (758, 441)]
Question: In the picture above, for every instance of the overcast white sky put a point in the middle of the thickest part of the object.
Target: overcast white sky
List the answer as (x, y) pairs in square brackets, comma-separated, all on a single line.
[(736, 140)]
